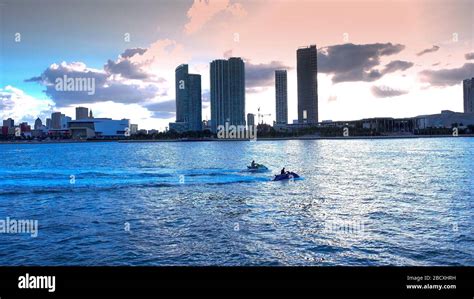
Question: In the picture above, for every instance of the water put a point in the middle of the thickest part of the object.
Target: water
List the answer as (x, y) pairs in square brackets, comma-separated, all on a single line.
[(360, 202)]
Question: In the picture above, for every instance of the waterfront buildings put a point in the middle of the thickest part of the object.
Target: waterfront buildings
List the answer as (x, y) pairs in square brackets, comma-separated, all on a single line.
[(468, 93), (281, 97), (82, 113), (250, 119), (9, 123), (38, 124), (227, 92), (133, 129), (188, 101), (56, 120), (307, 76), (98, 127)]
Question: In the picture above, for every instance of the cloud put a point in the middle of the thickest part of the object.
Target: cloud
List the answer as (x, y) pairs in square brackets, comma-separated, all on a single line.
[(469, 56), (166, 106), (128, 53), (107, 88), (261, 75), (206, 96), (202, 11), (384, 91), (164, 109), (396, 65), (15, 103), (446, 77), (228, 54), (350, 62), (429, 50), (125, 68)]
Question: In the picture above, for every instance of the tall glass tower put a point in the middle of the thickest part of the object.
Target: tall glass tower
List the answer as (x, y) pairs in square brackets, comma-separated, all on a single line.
[(188, 98), (281, 97), (227, 92), (307, 75)]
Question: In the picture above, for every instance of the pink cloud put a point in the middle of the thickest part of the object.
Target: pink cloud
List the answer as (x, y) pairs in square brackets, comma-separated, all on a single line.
[(202, 11)]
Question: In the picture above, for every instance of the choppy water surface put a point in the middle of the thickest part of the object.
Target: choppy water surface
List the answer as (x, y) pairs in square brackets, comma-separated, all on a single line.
[(360, 202)]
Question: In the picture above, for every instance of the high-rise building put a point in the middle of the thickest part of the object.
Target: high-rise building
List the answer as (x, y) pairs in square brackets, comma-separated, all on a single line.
[(307, 75), (49, 123), (9, 123), (281, 97), (38, 124), (188, 100), (468, 92), (250, 120), (56, 121), (82, 113), (227, 92), (64, 121)]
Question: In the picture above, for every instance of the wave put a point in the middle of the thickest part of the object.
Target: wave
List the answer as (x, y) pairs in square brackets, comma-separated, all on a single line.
[(45, 182)]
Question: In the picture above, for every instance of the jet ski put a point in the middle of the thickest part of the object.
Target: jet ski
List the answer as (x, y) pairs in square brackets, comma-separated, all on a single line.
[(257, 167), (286, 176)]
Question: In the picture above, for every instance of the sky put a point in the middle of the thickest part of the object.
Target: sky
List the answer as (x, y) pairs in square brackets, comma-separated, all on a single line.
[(375, 58)]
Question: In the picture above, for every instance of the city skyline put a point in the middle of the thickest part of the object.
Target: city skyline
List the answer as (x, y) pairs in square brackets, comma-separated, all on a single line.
[(368, 67)]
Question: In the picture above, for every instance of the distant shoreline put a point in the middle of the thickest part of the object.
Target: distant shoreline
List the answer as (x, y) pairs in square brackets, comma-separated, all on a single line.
[(230, 140)]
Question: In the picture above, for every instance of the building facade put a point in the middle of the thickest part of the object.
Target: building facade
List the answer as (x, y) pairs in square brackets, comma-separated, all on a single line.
[(38, 124), (281, 97), (468, 92), (307, 76), (56, 120), (250, 119), (99, 127), (188, 100), (9, 123), (82, 113), (227, 92)]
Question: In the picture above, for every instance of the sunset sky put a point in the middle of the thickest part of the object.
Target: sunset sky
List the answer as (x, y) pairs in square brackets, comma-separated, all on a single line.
[(376, 58)]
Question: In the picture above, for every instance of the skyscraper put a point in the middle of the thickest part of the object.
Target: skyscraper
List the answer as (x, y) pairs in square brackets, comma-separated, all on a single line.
[(468, 92), (81, 113), (188, 99), (307, 75), (227, 92), (38, 124), (281, 97), (56, 120), (9, 123), (250, 119)]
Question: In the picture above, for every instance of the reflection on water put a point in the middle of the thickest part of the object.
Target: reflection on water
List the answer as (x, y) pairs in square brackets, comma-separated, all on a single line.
[(361, 202)]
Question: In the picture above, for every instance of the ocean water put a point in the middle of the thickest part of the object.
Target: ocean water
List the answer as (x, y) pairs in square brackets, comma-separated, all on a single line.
[(360, 202)]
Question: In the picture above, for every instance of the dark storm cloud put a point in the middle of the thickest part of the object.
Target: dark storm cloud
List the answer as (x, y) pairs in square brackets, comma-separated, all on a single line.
[(350, 62), (386, 91), (446, 77), (469, 56), (429, 50), (261, 75)]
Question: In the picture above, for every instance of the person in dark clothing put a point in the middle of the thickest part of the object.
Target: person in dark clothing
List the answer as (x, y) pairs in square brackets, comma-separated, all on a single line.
[(253, 165), (283, 171)]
